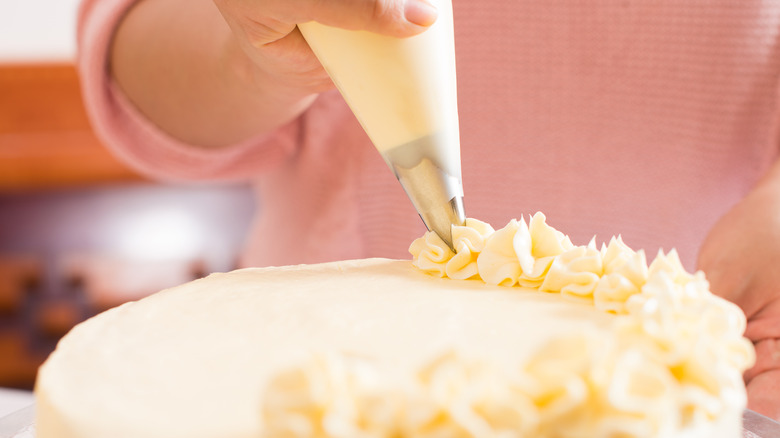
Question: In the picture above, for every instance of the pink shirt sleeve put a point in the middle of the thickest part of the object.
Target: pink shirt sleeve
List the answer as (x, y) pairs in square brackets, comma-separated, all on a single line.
[(136, 140)]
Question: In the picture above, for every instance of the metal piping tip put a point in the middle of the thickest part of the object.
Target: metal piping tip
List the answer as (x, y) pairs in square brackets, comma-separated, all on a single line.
[(437, 197), (431, 178), (441, 219)]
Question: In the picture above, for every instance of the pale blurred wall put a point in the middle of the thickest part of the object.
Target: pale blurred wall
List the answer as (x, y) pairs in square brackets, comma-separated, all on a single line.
[(37, 30)]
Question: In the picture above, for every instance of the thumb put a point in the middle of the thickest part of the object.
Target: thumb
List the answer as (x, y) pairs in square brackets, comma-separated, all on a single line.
[(398, 18)]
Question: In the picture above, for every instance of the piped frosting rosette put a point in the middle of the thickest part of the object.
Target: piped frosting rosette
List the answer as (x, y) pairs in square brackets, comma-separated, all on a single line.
[(674, 364)]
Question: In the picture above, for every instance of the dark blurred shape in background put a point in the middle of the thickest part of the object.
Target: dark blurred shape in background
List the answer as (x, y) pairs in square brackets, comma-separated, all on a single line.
[(66, 255)]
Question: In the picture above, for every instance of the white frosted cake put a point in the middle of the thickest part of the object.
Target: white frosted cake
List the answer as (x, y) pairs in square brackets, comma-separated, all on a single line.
[(517, 334)]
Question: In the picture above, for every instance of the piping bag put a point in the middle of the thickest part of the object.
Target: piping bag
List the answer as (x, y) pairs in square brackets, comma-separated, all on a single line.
[(404, 94)]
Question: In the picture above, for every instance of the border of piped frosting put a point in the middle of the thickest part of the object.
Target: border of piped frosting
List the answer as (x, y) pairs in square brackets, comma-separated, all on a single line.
[(674, 364)]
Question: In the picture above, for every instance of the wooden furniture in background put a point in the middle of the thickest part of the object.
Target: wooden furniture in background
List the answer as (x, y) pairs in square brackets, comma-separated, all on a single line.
[(46, 142), (45, 137), (17, 275), (19, 278)]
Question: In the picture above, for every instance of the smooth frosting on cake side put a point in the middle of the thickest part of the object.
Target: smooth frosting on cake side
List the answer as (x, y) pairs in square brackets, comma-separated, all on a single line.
[(530, 336)]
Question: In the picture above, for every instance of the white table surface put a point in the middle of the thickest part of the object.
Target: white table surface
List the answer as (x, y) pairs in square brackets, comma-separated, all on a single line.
[(11, 400)]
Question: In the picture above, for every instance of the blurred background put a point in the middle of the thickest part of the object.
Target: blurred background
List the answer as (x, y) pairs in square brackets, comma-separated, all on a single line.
[(79, 231)]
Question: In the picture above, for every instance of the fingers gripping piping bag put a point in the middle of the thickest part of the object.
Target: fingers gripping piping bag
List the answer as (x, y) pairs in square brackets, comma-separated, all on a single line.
[(404, 94)]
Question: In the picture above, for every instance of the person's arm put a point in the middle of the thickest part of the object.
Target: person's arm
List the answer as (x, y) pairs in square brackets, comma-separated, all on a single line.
[(215, 72), (741, 257)]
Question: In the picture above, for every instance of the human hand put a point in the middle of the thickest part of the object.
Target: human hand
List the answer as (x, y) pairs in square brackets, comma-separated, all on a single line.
[(213, 73), (266, 31), (741, 258)]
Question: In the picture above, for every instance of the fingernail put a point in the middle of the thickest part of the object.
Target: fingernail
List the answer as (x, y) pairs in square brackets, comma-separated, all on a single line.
[(420, 12)]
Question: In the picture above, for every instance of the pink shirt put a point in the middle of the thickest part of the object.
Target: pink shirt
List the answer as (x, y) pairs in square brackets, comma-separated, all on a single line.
[(645, 119)]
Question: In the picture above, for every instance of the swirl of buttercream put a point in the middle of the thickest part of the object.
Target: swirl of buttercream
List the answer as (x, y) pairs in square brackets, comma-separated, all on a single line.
[(612, 292), (462, 397), (671, 264), (498, 263), (521, 253), (659, 319), (469, 241), (638, 385), (433, 256), (537, 248), (575, 273), (331, 396), (558, 383), (625, 272), (620, 259), (725, 322), (640, 397)]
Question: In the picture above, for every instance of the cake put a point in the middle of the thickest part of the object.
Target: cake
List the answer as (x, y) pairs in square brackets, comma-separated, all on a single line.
[(513, 332)]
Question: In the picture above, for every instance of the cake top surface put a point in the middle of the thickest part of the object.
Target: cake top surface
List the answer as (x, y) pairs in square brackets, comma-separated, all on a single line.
[(225, 336)]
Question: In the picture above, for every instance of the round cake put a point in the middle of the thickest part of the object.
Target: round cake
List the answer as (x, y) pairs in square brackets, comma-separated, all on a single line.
[(511, 333)]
